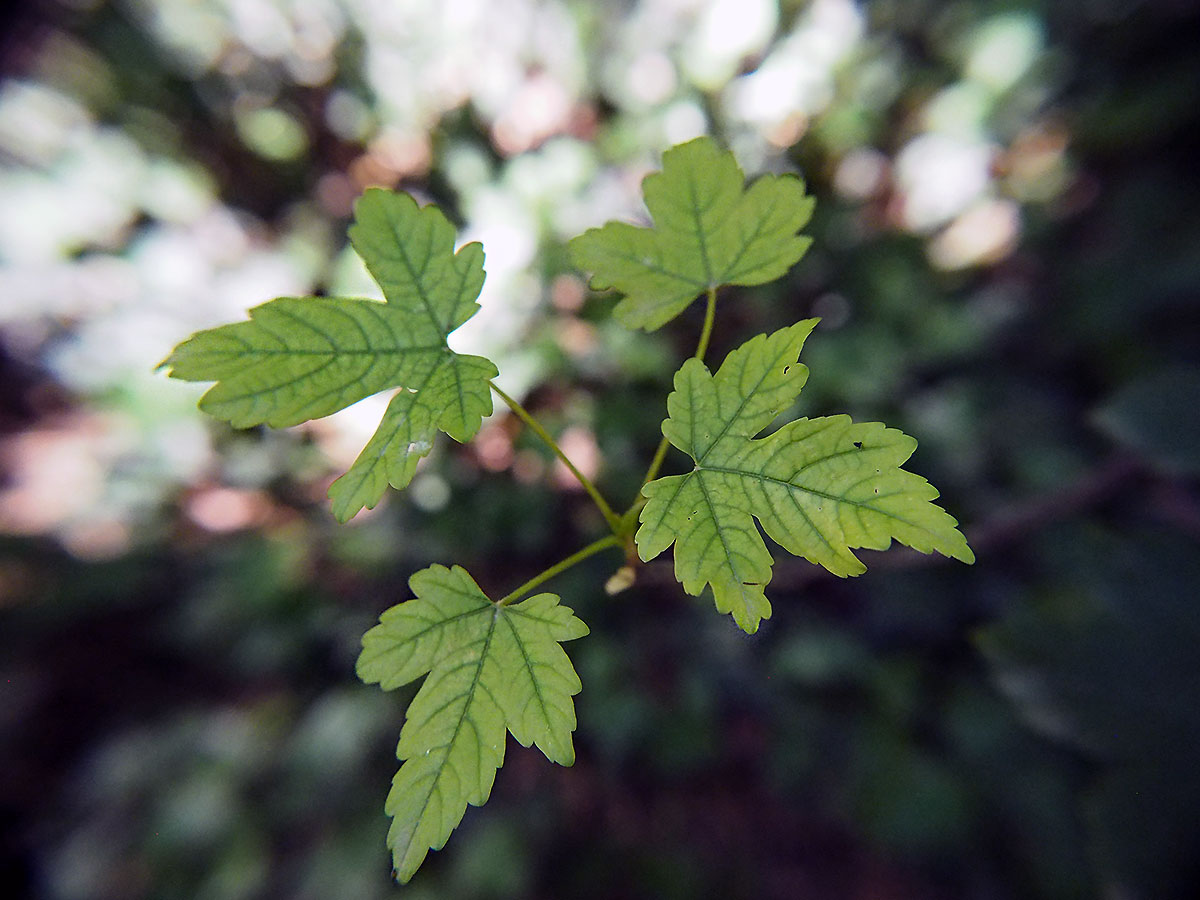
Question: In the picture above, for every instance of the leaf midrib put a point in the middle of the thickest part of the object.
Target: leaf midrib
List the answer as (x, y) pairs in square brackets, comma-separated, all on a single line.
[(759, 229), (533, 680), (440, 623), (382, 351), (260, 391), (712, 379), (463, 716), (728, 470), (422, 292), (712, 513), (641, 260), (701, 236)]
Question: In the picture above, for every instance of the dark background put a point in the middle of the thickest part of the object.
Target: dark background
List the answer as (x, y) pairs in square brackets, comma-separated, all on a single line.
[(1007, 262)]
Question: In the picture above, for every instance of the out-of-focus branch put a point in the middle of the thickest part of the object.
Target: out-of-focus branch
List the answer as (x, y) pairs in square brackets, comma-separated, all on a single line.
[(1004, 529)]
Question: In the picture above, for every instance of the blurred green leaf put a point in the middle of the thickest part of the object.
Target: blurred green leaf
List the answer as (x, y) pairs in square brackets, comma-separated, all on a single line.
[(1110, 665), (1155, 415)]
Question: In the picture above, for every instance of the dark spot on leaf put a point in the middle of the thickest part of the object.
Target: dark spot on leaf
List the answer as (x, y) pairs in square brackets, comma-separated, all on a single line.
[(785, 369), (858, 445), (877, 490), (750, 583)]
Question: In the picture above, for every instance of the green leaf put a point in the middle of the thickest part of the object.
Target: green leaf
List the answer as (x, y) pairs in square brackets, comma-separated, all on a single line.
[(709, 230), (490, 668), (819, 487), (1154, 416), (300, 358)]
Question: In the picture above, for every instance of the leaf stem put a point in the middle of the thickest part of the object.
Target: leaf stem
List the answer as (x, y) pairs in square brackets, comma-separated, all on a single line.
[(613, 520), (590, 550), (710, 314), (655, 464)]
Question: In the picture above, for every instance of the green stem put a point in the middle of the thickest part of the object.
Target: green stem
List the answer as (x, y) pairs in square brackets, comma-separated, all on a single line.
[(590, 550), (710, 314), (655, 464), (613, 520)]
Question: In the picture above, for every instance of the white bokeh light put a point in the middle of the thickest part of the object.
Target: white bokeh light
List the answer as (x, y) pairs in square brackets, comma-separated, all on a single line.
[(939, 176)]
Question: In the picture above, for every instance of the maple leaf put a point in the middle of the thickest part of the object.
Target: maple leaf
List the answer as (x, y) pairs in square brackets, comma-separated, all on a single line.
[(301, 358), (818, 487), (709, 230), (490, 668)]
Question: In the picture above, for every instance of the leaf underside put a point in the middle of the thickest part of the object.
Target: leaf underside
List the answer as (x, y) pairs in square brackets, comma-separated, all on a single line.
[(818, 487), (709, 230), (489, 668), (301, 358)]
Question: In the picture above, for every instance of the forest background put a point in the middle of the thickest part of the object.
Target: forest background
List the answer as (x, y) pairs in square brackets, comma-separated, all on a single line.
[(1007, 266)]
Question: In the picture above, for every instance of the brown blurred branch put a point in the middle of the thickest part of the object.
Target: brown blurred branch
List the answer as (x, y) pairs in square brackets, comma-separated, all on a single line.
[(1006, 528)]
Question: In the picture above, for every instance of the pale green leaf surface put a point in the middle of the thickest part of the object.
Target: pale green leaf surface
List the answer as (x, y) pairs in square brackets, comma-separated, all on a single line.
[(301, 358), (820, 488), (708, 231), (490, 668)]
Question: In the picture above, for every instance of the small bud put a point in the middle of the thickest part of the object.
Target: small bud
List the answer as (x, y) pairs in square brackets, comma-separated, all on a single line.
[(620, 580)]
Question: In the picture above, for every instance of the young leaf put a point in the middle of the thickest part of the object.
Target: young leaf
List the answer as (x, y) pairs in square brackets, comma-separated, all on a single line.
[(708, 231), (303, 358), (490, 668), (819, 487)]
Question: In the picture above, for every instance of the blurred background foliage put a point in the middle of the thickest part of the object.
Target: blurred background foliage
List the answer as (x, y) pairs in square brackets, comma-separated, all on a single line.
[(1007, 264)]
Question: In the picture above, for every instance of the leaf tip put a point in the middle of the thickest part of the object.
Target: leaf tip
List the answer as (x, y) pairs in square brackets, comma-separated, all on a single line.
[(344, 512)]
